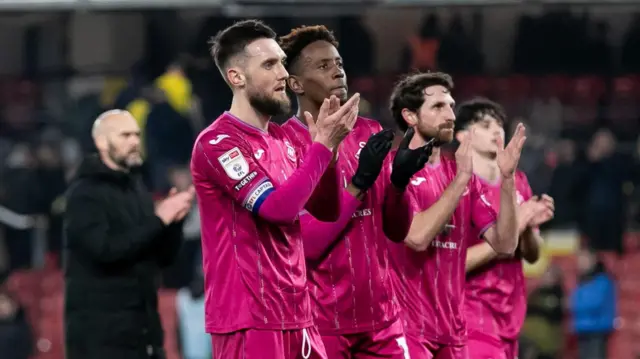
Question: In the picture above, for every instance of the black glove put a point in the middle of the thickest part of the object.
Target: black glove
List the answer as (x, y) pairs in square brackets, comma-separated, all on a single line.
[(371, 159), (408, 162)]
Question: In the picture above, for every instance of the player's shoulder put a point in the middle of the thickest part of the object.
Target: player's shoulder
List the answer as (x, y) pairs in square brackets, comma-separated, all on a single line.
[(223, 131), (369, 123)]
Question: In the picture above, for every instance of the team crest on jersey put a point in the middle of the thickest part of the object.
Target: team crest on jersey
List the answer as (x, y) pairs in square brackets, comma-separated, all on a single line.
[(291, 152), (519, 197), (234, 164)]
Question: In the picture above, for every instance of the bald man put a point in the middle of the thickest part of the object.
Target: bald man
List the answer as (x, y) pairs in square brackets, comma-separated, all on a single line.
[(116, 243)]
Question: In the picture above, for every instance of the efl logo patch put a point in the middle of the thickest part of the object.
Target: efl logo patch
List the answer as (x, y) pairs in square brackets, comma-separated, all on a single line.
[(234, 164)]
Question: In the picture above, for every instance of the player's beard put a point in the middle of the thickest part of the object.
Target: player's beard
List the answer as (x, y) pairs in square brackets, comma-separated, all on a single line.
[(441, 137), (266, 105), (129, 161)]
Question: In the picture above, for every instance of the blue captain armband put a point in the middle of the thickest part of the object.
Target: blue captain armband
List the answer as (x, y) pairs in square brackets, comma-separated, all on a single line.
[(256, 198)]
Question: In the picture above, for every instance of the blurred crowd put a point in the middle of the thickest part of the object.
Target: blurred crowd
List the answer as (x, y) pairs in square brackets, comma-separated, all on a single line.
[(577, 94)]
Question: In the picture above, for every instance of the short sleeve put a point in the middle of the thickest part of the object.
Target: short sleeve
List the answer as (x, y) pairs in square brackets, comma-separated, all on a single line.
[(483, 214), (226, 162), (524, 189)]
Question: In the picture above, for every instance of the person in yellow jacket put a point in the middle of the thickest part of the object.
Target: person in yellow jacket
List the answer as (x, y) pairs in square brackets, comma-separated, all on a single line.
[(166, 118)]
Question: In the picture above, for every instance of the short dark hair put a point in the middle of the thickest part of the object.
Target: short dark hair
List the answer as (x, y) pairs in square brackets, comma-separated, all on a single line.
[(294, 42), (409, 93), (474, 110), (233, 40)]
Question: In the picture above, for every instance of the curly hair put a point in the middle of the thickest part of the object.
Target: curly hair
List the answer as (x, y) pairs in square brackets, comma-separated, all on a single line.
[(294, 42), (409, 93)]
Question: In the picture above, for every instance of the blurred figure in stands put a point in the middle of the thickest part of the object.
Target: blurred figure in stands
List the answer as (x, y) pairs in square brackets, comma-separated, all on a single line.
[(543, 327), (16, 340), (194, 341), (168, 114), (181, 273), (116, 243), (604, 217), (593, 307)]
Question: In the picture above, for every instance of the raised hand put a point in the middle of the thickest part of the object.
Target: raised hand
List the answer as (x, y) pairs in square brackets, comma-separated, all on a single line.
[(371, 159), (464, 159), (333, 125), (545, 212), (408, 162), (176, 206), (508, 157), (331, 105), (526, 212)]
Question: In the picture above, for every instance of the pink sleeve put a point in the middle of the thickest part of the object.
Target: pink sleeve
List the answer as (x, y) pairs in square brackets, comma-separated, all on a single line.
[(318, 235), (230, 166), (324, 202), (482, 213), (398, 208)]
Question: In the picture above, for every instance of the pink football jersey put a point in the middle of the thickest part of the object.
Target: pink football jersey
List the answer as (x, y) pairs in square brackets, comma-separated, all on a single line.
[(350, 286), (429, 285), (496, 300), (255, 273)]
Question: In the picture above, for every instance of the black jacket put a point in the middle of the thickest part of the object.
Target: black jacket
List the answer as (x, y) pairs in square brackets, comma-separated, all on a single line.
[(115, 247)]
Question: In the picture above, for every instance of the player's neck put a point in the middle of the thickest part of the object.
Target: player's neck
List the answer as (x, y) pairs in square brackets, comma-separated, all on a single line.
[(485, 167), (242, 109), (307, 106), (419, 141)]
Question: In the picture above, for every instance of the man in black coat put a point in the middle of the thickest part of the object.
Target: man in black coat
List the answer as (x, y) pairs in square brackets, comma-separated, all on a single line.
[(116, 243)]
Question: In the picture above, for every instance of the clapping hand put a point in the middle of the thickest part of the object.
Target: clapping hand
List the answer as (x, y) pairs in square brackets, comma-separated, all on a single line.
[(371, 159), (334, 122), (545, 212), (508, 157), (176, 206), (408, 162), (464, 159)]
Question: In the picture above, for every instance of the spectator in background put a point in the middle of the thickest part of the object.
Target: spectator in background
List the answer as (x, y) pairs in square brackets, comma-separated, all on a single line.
[(604, 217), (565, 184), (51, 175), (593, 307), (458, 54), (16, 339), (180, 274), (630, 57), (356, 47), (116, 243), (543, 327), (22, 195), (167, 117), (422, 49), (194, 342)]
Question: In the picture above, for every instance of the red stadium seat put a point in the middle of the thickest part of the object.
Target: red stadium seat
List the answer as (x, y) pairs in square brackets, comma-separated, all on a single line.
[(551, 86), (588, 87)]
